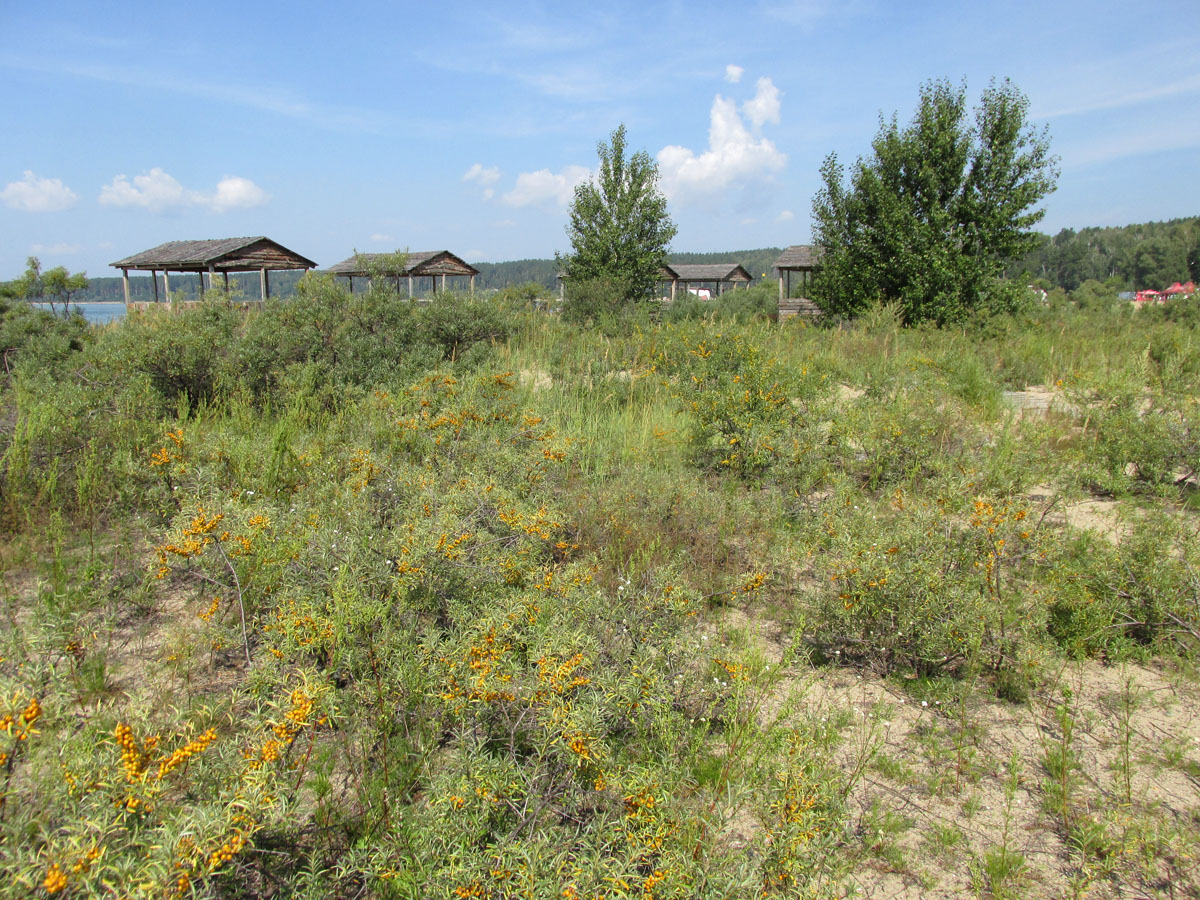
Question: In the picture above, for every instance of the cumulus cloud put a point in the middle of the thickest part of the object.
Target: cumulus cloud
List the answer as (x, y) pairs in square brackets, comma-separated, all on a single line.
[(234, 192), (544, 187), (737, 157), (764, 107), (35, 194), (733, 74), (485, 176), (786, 216), (161, 193)]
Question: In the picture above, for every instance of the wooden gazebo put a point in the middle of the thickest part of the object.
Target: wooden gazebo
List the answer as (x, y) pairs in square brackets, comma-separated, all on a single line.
[(802, 258), (719, 275), (430, 264), (224, 255)]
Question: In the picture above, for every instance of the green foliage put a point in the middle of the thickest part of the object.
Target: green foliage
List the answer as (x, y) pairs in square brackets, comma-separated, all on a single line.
[(34, 340), (927, 595), (620, 229), (56, 286), (937, 210), (601, 301), (759, 301), (1130, 257)]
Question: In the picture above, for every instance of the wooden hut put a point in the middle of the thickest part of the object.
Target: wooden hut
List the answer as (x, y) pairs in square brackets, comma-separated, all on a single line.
[(432, 264), (720, 275), (802, 258), (224, 255)]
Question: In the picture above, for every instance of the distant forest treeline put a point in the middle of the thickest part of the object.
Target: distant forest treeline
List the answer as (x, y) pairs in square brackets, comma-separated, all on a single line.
[(1132, 257)]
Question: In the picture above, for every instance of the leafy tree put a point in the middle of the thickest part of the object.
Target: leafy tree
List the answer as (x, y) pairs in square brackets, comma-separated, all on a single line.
[(929, 220), (55, 286), (619, 228)]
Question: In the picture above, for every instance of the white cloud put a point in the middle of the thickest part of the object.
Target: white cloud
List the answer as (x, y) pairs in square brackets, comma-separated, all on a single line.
[(484, 176), (733, 74), (736, 156), (159, 192), (34, 194), (764, 107), (544, 187), (382, 239), (786, 216), (59, 249), (235, 192), (156, 191)]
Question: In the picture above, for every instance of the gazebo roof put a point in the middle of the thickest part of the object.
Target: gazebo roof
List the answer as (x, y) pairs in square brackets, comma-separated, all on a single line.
[(709, 272), (245, 254), (799, 256), (430, 262)]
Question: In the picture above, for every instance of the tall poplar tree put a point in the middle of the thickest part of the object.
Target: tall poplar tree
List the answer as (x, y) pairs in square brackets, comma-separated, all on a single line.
[(929, 220), (620, 228)]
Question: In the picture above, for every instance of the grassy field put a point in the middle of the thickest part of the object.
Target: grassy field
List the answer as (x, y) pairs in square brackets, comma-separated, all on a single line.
[(345, 598)]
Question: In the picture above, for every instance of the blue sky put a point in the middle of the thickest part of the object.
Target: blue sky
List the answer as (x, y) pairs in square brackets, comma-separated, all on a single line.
[(462, 126)]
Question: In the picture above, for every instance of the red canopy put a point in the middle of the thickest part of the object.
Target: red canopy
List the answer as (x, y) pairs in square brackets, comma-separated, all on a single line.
[(1176, 288)]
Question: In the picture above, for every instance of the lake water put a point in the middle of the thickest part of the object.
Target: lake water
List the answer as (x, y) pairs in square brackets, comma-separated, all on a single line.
[(95, 313)]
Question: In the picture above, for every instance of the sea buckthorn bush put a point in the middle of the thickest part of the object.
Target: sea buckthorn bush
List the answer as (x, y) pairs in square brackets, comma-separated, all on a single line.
[(342, 596)]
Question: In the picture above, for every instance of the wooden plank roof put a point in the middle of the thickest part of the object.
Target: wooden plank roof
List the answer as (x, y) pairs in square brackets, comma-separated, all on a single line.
[(710, 272), (245, 254), (429, 262), (799, 256)]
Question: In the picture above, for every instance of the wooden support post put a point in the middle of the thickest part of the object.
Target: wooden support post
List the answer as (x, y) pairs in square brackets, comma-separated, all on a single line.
[(211, 272), (410, 287), (200, 276), (125, 282), (166, 286), (226, 282), (262, 284), (443, 283), (154, 281), (472, 285), (350, 278), (780, 287)]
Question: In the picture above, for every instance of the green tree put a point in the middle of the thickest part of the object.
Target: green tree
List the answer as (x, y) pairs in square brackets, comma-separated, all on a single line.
[(620, 229), (55, 286), (929, 220)]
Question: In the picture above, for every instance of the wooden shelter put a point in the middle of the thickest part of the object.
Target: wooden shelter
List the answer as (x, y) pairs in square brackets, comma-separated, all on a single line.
[(224, 255), (717, 274), (430, 264), (802, 258)]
